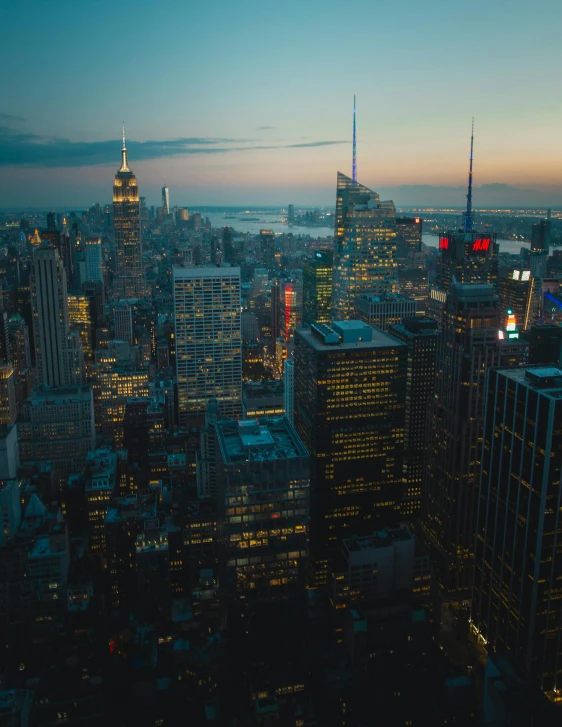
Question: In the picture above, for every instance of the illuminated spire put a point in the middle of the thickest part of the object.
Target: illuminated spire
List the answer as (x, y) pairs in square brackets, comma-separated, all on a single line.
[(124, 165), (468, 216), (354, 161)]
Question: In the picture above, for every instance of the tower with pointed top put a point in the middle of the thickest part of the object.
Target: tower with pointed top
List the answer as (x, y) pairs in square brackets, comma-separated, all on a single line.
[(354, 160), (465, 255), (129, 273)]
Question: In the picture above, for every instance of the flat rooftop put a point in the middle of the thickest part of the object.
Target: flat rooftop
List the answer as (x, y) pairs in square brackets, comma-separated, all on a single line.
[(546, 379), (258, 440), (385, 298), (380, 539), (380, 339)]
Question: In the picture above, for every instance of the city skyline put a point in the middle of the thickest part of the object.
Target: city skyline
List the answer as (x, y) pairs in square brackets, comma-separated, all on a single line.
[(249, 128)]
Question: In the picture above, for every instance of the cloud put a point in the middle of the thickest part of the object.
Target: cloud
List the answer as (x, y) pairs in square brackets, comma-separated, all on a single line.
[(265, 128), (10, 119), (19, 148)]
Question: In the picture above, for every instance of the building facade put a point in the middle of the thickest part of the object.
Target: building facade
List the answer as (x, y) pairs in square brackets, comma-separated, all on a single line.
[(317, 287), (207, 307)]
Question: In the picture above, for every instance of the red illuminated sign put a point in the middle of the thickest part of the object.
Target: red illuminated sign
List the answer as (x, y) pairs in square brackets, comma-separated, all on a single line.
[(443, 243), (481, 244)]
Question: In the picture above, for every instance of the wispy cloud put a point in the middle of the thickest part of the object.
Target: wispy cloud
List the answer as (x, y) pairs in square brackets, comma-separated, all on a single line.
[(19, 148), (265, 128)]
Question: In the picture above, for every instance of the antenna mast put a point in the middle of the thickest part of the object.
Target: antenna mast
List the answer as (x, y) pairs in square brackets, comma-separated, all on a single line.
[(468, 217), (354, 161)]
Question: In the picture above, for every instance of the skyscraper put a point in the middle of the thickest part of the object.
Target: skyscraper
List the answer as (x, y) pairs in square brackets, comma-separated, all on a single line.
[(408, 238), (471, 343), (165, 200), (51, 330), (540, 243), (94, 264), (517, 608), (350, 396), (208, 340), (465, 256), (365, 244), (420, 336), (19, 343), (129, 274), (317, 287), (267, 244)]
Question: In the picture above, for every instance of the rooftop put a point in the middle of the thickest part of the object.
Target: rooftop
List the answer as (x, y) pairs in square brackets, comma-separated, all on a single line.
[(342, 330), (386, 298), (546, 379), (253, 440), (380, 539)]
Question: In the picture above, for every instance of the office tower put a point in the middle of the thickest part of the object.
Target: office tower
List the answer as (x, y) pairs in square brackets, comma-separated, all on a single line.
[(94, 263), (5, 348), (545, 344), (112, 387), (123, 320), (408, 238), (50, 317), (263, 398), (275, 314), (317, 287), (540, 243), (8, 402), (206, 456), (290, 308), (208, 340), (57, 426), (101, 484), (365, 243), (129, 279), (165, 201), (291, 214), (289, 390), (350, 398), (263, 469), (10, 509), (385, 309), (520, 292), (80, 322), (267, 246), (51, 221), (469, 346), (20, 348), (516, 608), (413, 280), (420, 336)]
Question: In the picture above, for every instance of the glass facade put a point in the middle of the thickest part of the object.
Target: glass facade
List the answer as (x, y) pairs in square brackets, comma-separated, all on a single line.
[(365, 246), (317, 287)]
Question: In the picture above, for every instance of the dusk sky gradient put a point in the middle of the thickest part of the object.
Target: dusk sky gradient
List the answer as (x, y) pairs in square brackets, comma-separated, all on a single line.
[(248, 102)]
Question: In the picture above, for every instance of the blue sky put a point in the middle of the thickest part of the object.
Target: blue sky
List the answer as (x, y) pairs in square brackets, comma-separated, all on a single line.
[(250, 102)]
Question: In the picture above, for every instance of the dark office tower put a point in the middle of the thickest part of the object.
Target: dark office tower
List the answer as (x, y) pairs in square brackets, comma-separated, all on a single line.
[(350, 397), (51, 329), (19, 343), (263, 508), (365, 244), (291, 214), (540, 243), (267, 244), (51, 221), (545, 344), (517, 609), (408, 238), (470, 345), (317, 287), (275, 313), (228, 246), (5, 353), (129, 274), (420, 336)]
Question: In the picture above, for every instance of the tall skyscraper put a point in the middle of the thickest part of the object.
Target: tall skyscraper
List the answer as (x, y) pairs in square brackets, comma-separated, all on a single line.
[(420, 336), (165, 200), (540, 244), (471, 343), (465, 256), (267, 244), (365, 244), (19, 343), (123, 322), (520, 292), (8, 402), (207, 307), (129, 274), (94, 263), (51, 330), (517, 604), (350, 396), (317, 287)]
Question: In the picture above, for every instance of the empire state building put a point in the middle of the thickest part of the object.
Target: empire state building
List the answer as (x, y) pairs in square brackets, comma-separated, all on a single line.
[(129, 274)]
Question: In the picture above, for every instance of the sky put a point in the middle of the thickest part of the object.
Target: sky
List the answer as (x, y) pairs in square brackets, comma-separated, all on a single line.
[(242, 102)]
